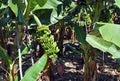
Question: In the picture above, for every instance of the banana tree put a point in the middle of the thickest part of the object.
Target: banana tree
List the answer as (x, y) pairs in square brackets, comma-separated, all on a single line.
[(103, 38), (19, 14), (106, 41), (12, 66), (89, 13)]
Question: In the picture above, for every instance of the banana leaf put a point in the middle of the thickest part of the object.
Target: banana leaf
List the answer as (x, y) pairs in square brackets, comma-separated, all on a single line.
[(110, 33), (117, 2), (103, 45), (13, 7), (33, 72)]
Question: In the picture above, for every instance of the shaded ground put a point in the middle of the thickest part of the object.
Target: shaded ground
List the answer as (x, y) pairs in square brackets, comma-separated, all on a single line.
[(73, 66)]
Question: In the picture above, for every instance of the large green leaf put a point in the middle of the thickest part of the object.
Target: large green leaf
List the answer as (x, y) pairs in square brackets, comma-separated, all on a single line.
[(80, 34), (110, 32), (62, 13), (4, 56), (33, 72), (103, 45), (117, 2), (49, 5), (13, 7)]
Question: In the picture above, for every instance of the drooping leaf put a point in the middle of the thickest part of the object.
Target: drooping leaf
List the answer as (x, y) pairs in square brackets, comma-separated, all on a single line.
[(98, 42), (4, 56), (50, 5), (44, 15), (28, 8), (103, 45), (62, 11), (41, 2), (117, 2), (37, 20), (80, 34), (32, 73), (13, 7), (53, 17), (110, 32), (56, 18)]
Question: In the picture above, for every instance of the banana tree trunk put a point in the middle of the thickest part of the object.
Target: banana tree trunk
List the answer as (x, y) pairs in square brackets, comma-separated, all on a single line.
[(90, 67), (90, 71), (60, 38)]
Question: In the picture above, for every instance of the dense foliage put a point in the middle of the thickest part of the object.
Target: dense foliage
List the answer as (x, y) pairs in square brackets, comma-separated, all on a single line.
[(24, 30)]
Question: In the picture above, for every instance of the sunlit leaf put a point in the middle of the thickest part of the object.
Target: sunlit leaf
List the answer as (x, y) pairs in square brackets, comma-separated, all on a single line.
[(33, 72), (28, 8), (37, 20), (53, 17), (51, 5), (117, 2), (3, 6), (103, 45), (110, 32), (13, 7), (25, 50)]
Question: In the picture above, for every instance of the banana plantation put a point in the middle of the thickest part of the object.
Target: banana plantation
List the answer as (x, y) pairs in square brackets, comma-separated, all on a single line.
[(59, 40)]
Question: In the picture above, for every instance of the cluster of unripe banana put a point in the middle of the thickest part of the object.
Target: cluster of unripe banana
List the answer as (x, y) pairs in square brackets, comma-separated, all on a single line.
[(47, 41)]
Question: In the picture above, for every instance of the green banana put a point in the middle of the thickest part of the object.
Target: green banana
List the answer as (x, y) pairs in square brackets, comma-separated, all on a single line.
[(47, 41)]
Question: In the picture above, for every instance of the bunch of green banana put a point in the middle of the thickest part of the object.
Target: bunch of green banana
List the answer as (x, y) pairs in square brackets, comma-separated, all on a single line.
[(47, 41)]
